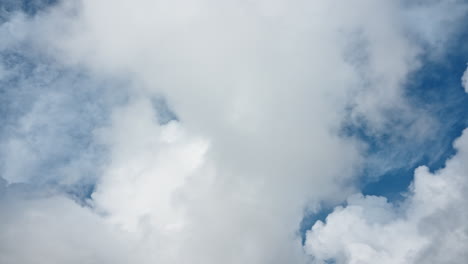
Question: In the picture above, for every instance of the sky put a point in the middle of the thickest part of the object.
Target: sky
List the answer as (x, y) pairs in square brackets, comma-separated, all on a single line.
[(249, 131)]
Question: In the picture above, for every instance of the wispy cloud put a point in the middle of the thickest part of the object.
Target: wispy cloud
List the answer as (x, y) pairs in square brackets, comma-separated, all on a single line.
[(465, 80)]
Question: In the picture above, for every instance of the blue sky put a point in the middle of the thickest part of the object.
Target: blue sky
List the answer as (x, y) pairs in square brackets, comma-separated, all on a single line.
[(247, 132)]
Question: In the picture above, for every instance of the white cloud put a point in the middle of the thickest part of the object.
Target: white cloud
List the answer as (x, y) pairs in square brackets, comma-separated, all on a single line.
[(260, 89), (465, 80), (430, 226)]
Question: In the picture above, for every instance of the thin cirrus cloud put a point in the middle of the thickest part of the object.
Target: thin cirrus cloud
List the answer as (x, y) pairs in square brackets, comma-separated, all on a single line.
[(249, 137)]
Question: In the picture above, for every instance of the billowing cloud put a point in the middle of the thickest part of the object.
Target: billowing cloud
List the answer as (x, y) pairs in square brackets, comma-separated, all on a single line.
[(260, 92), (429, 226)]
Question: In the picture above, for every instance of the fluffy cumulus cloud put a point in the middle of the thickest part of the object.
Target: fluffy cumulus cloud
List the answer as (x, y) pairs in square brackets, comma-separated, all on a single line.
[(429, 226), (200, 131)]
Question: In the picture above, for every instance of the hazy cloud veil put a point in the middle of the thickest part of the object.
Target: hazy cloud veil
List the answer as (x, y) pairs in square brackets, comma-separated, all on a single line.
[(202, 132)]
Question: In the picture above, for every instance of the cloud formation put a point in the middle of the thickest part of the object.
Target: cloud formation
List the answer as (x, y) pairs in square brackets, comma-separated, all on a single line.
[(259, 91), (429, 226)]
